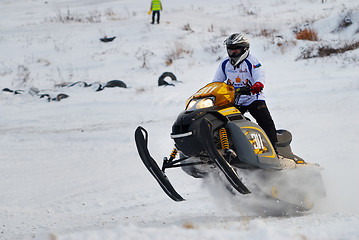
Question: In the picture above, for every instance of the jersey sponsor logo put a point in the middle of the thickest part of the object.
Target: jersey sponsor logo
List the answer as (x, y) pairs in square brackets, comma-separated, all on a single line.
[(245, 70)]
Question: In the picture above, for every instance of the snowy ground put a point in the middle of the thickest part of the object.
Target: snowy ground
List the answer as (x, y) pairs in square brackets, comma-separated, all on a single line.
[(70, 169)]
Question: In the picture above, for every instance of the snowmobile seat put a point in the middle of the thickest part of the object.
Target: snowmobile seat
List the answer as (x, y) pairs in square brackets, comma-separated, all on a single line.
[(284, 138)]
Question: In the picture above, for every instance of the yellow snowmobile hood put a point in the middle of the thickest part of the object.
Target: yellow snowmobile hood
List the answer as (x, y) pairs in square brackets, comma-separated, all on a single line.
[(223, 93)]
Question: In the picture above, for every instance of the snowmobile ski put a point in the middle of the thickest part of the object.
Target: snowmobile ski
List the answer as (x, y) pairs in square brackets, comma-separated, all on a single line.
[(152, 166), (216, 157)]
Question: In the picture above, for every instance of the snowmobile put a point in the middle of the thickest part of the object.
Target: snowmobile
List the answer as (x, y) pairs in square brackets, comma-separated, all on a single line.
[(213, 136)]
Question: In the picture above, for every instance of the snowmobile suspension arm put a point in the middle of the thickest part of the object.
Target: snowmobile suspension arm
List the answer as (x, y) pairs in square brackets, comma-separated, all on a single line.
[(176, 163), (171, 163)]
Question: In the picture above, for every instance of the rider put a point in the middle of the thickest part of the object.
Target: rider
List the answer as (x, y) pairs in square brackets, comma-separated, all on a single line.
[(242, 69)]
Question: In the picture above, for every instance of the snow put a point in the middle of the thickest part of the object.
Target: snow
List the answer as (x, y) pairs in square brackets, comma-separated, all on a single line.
[(70, 168)]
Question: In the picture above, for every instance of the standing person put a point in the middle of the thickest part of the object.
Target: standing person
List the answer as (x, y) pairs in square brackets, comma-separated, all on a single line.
[(156, 7), (242, 69)]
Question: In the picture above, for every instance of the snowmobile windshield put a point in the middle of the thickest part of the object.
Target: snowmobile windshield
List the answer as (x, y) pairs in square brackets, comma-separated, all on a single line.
[(221, 94)]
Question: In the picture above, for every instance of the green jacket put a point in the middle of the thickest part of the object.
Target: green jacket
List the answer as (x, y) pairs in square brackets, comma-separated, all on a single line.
[(156, 5)]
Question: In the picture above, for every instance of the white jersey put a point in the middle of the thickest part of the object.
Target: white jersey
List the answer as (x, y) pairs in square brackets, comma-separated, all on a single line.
[(245, 74)]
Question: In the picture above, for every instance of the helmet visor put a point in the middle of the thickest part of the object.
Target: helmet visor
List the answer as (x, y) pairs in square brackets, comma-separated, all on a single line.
[(235, 52)]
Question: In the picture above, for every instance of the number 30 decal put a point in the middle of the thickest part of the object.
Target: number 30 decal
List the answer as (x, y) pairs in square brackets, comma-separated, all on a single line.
[(257, 141)]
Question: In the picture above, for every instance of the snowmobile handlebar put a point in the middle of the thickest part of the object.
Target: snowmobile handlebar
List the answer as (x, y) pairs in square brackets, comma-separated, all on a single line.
[(243, 91)]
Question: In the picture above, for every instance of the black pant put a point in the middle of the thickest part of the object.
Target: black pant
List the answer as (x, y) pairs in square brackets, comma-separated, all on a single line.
[(258, 109), (154, 13)]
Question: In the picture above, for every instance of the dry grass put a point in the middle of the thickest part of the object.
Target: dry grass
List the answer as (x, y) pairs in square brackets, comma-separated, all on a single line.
[(177, 52), (187, 27), (169, 61), (140, 90), (324, 51), (94, 16), (284, 45), (307, 34), (23, 74), (143, 55), (224, 32), (267, 32), (188, 225)]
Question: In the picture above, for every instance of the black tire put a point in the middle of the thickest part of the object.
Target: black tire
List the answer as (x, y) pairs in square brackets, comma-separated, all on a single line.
[(96, 86), (7, 90), (79, 84), (115, 83), (61, 96), (44, 95), (161, 79), (106, 39)]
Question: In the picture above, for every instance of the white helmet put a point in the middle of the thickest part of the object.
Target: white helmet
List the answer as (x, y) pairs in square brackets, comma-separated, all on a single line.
[(237, 48)]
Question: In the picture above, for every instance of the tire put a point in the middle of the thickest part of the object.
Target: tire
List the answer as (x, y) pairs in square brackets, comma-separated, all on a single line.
[(79, 84), (96, 86), (60, 96), (161, 79), (115, 83)]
